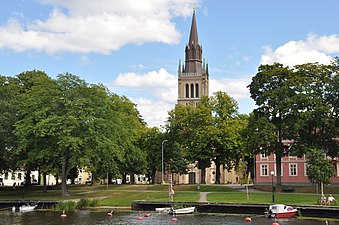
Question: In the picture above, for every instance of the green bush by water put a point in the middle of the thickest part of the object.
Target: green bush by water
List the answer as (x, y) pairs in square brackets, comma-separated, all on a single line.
[(66, 205)]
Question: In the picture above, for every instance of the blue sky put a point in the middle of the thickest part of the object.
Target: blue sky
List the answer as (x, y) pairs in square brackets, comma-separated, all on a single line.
[(133, 46)]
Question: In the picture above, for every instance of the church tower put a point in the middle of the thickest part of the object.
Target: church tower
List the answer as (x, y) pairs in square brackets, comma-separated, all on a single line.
[(193, 76)]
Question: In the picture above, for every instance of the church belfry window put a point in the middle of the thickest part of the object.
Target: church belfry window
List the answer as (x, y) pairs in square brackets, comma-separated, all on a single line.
[(187, 91), (197, 90), (192, 90)]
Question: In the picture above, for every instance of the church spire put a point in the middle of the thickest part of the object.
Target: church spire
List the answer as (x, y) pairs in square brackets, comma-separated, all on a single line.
[(193, 58), (193, 40)]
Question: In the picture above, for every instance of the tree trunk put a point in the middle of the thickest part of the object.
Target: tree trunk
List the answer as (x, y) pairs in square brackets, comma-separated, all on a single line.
[(45, 182), (279, 155), (203, 175), (28, 178), (153, 176), (124, 178), (39, 176), (217, 170), (132, 179), (64, 188)]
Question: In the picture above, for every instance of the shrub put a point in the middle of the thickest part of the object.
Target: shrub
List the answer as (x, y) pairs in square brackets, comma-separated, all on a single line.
[(94, 202), (67, 205), (83, 203)]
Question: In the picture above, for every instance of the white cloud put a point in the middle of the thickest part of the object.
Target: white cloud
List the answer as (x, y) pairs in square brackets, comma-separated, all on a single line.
[(235, 87), (162, 86), (90, 26), (313, 49), (153, 112)]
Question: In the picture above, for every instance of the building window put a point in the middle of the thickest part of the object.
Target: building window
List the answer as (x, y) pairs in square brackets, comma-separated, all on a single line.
[(187, 89), (263, 156), (197, 90), (305, 169), (192, 90), (6, 176), (13, 176), (263, 170), (293, 169), (19, 176), (292, 157)]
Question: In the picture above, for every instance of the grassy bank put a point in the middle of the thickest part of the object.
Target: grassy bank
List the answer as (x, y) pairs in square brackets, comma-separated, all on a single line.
[(123, 195)]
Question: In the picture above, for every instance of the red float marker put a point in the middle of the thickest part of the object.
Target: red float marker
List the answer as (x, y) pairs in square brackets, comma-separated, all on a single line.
[(140, 218), (248, 219), (63, 215)]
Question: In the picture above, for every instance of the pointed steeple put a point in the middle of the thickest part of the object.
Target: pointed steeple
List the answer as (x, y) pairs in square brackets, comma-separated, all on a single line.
[(193, 82), (193, 40), (193, 58)]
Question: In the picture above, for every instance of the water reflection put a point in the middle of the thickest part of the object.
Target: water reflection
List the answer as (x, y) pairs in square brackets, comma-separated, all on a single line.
[(100, 218)]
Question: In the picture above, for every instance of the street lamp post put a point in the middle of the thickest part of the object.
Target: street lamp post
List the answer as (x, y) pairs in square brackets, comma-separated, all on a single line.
[(272, 173), (162, 161)]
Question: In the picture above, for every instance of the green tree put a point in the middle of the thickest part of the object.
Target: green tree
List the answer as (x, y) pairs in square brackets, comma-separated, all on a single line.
[(32, 153), (149, 142), (272, 93), (225, 136), (190, 124), (131, 127), (319, 169), (209, 132), (9, 98), (314, 106)]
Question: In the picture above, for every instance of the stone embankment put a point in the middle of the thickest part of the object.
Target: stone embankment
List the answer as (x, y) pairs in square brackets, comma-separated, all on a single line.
[(233, 208)]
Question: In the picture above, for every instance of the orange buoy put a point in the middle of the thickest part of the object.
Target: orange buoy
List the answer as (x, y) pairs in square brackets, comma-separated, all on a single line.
[(248, 219), (174, 219), (139, 218), (275, 223), (147, 214)]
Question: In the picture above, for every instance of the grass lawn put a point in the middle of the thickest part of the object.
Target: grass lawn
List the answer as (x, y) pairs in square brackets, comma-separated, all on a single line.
[(264, 198), (123, 195)]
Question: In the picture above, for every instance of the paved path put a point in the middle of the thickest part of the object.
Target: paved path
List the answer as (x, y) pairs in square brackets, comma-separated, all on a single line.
[(203, 196)]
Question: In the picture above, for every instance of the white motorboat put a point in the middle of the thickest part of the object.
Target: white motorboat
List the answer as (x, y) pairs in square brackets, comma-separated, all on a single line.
[(163, 210), (27, 208), (281, 211), (186, 210)]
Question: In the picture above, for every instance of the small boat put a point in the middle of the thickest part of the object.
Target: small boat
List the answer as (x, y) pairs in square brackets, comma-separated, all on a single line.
[(27, 208), (187, 210), (163, 210), (281, 211)]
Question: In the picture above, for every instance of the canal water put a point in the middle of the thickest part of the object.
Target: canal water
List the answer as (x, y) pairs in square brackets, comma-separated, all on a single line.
[(100, 218)]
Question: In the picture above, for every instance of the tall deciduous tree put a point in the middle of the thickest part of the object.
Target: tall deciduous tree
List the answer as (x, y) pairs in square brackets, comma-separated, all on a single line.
[(9, 99), (226, 137), (315, 106), (209, 132), (190, 124), (272, 93), (36, 100)]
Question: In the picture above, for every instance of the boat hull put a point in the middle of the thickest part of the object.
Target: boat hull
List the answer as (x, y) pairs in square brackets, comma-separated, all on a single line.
[(163, 210), (285, 214), (25, 208), (188, 210), (281, 211)]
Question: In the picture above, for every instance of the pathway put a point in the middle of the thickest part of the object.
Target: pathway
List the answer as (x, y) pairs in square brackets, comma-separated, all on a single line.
[(203, 196)]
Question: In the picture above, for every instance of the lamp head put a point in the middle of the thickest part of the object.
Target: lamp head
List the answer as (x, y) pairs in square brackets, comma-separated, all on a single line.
[(272, 172)]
